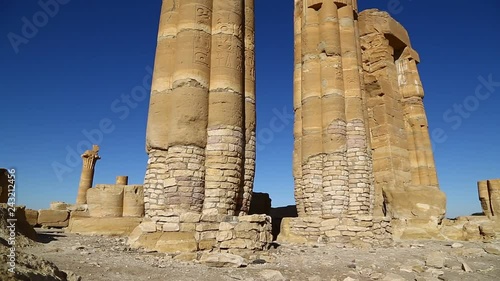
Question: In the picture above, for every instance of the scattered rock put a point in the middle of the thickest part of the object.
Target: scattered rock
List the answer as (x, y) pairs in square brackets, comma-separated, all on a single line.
[(493, 249), (466, 267), (457, 245), (272, 275), (222, 260), (435, 259)]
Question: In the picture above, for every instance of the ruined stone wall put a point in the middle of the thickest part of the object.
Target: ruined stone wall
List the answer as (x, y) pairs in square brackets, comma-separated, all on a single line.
[(358, 231), (403, 163), (201, 124), (113, 200)]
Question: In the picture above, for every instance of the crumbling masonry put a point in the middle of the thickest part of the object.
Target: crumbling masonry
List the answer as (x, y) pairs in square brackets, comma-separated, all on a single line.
[(362, 153)]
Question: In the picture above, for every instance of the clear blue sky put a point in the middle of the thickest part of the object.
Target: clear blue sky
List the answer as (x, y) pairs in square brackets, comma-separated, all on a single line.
[(68, 75)]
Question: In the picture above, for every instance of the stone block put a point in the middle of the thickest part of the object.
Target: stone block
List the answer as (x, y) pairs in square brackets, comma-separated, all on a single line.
[(59, 206), (53, 218), (103, 226), (32, 217), (174, 242)]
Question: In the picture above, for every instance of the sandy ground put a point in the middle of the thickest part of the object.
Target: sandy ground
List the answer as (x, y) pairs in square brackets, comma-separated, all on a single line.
[(103, 258)]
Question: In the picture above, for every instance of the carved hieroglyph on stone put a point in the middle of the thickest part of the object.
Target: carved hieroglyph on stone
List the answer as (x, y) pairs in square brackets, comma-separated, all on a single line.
[(201, 123), (403, 162), (89, 158)]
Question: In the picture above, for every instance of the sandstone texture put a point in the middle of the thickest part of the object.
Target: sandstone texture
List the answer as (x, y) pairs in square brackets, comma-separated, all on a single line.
[(201, 123), (109, 226), (406, 183), (112, 200), (53, 218), (31, 217)]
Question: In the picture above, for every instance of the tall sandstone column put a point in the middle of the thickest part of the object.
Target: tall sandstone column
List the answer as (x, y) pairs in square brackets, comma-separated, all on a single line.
[(494, 194), (423, 168), (484, 198), (403, 163), (201, 123), (89, 159), (332, 161)]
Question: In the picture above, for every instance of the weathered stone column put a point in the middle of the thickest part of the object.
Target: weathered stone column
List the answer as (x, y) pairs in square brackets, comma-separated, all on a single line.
[(225, 148), (312, 140), (358, 155), (391, 164), (250, 115), (335, 173), (494, 193), (422, 162), (297, 107), (402, 153), (201, 125), (89, 158), (335, 178), (484, 197), (122, 180)]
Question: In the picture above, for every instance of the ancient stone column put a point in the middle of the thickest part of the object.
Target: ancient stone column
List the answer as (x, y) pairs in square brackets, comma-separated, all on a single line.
[(494, 193), (312, 137), (89, 158), (297, 107), (245, 197), (403, 163), (484, 197), (226, 141), (358, 155), (420, 149), (133, 201), (335, 178), (122, 180), (391, 164), (201, 123)]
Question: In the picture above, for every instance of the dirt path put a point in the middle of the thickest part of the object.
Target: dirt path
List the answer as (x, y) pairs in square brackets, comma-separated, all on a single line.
[(100, 258)]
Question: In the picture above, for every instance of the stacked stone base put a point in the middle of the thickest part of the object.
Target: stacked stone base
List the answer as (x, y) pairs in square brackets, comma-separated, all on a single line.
[(359, 231), (192, 232)]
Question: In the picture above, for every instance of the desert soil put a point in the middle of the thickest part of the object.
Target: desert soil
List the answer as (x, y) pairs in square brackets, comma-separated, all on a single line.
[(104, 258)]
